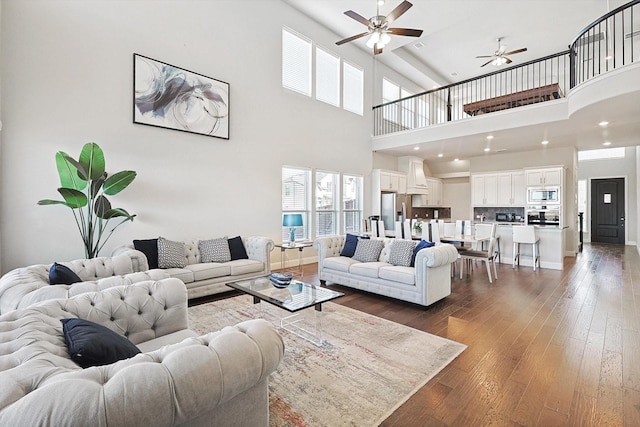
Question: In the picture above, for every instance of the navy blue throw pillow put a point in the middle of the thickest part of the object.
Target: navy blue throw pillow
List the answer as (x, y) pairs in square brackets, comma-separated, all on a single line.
[(62, 275), (91, 344), (350, 243), (149, 247), (423, 244), (237, 249)]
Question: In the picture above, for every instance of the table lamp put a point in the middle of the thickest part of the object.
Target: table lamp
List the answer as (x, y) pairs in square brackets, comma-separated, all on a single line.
[(292, 221)]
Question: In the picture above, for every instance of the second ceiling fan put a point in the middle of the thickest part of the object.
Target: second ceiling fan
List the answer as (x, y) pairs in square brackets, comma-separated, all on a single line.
[(378, 27), (499, 57)]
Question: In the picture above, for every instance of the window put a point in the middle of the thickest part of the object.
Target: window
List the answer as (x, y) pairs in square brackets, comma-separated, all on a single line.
[(327, 189), (390, 92), (327, 77), (582, 203), (407, 109), (352, 203), (296, 198), (605, 153), (353, 88), (296, 62)]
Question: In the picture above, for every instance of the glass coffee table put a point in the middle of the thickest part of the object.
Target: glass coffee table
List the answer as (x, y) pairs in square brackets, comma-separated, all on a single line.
[(294, 298)]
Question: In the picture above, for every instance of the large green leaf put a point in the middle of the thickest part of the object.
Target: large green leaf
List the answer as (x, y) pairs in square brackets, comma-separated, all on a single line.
[(46, 202), (81, 171), (75, 199), (68, 172), (101, 206), (92, 159), (118, 182), (118, 212), (96, 185)]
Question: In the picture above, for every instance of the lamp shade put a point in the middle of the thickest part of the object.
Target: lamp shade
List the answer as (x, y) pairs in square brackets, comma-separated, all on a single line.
[(292, 220)]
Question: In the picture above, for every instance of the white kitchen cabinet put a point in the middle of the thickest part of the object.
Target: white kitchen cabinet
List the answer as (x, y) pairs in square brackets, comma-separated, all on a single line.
[(484, 190), (434, 198), (391, 181), (511, 189), (544, 177)]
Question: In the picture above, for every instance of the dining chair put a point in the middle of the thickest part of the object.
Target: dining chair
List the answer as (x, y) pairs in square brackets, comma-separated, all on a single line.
[(406, 230), (381, 231), (488, 256), (435, 232), (397, 231), (449, 229), (459, 226), (426, 231)]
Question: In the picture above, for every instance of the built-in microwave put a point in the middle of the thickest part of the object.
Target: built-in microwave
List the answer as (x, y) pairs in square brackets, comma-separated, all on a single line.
[(543, 196)]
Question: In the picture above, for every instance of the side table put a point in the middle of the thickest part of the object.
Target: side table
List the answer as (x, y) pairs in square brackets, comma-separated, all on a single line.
[(292, 245)]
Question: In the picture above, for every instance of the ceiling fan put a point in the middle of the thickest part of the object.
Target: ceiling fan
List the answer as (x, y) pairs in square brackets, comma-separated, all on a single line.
[(378, 27), (499, 57)]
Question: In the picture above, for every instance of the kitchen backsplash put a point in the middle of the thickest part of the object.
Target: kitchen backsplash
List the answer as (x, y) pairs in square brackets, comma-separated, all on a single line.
[(430, 213), (490, 213)]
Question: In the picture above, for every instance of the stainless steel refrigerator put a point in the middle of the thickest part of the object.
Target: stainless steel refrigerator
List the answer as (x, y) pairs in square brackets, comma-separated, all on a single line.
[(393, 207)]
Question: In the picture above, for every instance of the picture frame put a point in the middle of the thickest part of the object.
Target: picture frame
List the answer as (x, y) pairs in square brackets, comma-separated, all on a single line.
[(171, 97)]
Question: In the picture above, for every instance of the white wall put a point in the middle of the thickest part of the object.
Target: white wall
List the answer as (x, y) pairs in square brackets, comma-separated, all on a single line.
[(67, 72)]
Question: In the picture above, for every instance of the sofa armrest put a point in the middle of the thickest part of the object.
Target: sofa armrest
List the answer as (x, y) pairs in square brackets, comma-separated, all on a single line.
[(436, 256), (259, 249), (328, 247), (169, 386)]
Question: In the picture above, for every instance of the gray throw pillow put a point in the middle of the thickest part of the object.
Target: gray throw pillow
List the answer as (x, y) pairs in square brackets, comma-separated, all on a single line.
[(214, 250), (368, 250), (171, 254), (401, 252)]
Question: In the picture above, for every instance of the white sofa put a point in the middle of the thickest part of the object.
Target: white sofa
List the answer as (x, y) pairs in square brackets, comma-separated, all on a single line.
[(424, 284), (25, 286), (180, 378), (208, 278)]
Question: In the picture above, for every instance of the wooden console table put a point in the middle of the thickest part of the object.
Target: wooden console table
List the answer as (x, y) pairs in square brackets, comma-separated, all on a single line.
[(517, 99)]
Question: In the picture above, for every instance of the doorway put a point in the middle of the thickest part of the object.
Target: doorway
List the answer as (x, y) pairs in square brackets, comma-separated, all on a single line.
[(607, 210)]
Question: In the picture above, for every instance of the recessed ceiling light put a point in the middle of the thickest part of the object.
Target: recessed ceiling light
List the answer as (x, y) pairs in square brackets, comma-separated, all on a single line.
[(456, 159), (545, 142), (418, 45), (489, 137), (440, 155), (416, 148), (606, 143), (487, 149), (603, 124), (380, 2)]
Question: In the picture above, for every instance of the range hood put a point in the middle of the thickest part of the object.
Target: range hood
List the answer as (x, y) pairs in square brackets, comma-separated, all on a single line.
[(414, 168)]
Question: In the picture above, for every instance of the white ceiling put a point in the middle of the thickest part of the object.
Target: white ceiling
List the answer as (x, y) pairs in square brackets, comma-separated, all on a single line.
[(456, 31)]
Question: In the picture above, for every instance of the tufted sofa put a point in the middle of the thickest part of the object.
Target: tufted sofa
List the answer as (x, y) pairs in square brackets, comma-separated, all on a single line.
[(25, 286), (178, 379), (208, 278), (424, 284)]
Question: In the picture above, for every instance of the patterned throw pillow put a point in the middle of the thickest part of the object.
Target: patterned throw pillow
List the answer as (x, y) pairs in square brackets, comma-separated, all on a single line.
[(368, 250), (171, 254), (214, 250), (401, 252)]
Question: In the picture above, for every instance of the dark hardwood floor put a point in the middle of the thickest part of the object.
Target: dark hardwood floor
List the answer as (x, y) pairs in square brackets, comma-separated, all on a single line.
[(545, 348)]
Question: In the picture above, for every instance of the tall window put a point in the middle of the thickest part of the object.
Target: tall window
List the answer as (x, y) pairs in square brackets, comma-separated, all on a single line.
[(327, 77), (296, 62), (352, 203), (582, 203), (296, 198), (407, 109), (353, 88), (390, 92), (327, 196)]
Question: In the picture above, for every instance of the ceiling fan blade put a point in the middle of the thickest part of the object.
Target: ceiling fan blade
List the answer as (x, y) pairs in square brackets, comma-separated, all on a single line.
[(524, 49), (398, 11), (348, 39), (376, 50), (357, 17), (485, 56), (486, 63), (405, 32), (508, 60)]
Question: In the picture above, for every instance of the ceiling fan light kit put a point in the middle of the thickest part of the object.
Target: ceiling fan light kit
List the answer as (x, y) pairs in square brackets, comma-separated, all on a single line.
[(378, 27)]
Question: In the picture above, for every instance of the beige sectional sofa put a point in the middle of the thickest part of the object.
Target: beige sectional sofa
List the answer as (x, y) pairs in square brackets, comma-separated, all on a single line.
[(425, 283), (26, 286), (208, 278), (180, 378)]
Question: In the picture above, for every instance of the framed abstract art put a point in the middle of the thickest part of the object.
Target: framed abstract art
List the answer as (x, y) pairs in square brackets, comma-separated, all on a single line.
[(174, 98)]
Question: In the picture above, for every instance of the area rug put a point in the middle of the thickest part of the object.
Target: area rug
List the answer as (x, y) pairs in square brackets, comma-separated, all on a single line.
[(366, 368)]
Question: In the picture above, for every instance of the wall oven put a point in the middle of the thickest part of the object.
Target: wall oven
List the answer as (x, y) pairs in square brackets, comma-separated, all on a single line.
[(546, 195)]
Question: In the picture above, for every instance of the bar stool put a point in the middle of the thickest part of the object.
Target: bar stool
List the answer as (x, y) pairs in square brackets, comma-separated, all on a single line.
[(526, 234)]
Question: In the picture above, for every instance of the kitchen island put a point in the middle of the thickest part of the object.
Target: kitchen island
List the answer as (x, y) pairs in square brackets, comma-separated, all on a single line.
[(551, 246)]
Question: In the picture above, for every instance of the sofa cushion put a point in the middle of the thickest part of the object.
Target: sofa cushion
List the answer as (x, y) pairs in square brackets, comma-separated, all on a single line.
[(62, 275), (368, 250), (237, 249), (245, 266), (367, 269), (183, 274), (339, 263), (401, 274), (209, 270), (91, 344), (149, 247), (423, 244), (171, 254), (401, 252), (214, 250)]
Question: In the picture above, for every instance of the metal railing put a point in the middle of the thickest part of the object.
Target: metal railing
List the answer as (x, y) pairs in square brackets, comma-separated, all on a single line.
[(605, 45)]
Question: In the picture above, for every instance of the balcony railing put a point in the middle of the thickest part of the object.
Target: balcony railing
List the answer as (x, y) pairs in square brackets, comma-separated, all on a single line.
[(608, 43)]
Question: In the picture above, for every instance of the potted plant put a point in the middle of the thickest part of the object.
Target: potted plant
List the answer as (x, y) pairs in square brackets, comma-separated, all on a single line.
[(84, 186)]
